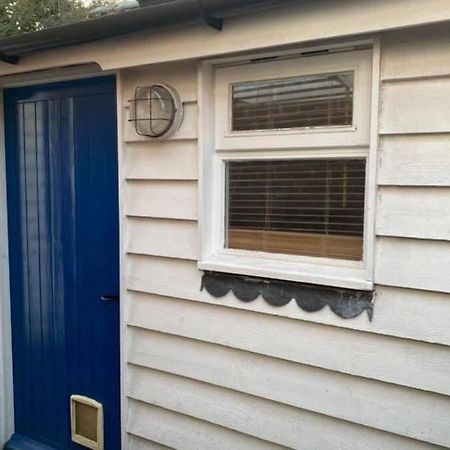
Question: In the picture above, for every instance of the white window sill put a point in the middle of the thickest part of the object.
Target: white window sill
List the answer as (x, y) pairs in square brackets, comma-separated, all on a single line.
[(312, 273)]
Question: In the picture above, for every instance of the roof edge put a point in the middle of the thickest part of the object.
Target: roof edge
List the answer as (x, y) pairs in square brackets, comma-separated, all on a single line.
[(154, 14)]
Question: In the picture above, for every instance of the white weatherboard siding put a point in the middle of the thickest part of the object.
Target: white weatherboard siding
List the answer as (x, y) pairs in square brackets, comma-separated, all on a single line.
[(414, 160), (180, 199), (415, 212), (207, 373)]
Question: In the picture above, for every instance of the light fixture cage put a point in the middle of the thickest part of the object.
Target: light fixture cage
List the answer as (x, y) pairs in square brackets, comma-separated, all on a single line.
[(156, 111)]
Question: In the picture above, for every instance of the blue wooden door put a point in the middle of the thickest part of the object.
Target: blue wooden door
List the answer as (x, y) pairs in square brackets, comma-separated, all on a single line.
[(61, 155)]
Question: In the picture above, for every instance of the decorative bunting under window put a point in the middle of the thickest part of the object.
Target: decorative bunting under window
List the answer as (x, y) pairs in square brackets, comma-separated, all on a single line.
[(346, 303)]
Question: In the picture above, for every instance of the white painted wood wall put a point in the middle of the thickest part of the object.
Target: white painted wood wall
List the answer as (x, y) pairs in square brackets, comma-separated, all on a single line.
[(206, 373)]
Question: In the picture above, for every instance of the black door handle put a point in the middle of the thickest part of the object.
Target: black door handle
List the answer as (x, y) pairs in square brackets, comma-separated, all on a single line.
[(109, 298)]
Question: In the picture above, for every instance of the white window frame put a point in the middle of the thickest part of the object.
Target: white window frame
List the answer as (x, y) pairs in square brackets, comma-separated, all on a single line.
[(218, 145)]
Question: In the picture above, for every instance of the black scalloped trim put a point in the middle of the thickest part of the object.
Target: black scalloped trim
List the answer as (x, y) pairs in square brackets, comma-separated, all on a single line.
[(346, 303)]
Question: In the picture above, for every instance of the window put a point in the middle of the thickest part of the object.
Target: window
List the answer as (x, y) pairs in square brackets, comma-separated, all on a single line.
[(286, 170), (311, 207), (289, 103)]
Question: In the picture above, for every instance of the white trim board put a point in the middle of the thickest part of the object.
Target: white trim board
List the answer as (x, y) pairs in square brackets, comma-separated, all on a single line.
[(6, 377), (122, 258)]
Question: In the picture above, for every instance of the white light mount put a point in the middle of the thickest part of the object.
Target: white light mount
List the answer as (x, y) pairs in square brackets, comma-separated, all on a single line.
[(156, 111)]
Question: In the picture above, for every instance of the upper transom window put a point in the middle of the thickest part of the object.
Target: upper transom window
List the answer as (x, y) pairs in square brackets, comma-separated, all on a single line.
[(298, 102)]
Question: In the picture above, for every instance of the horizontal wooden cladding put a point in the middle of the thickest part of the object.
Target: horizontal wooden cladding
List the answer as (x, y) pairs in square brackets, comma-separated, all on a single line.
[(294, 243), (413, 263), (182, 76), (415, 160), (283, 425), (419, 52), (403, 411), (162, 237), (422, 213), (183, 432), (138, 443), (187, 130), (405, 313), (171, 199), (415, 106), (165, 276), (163, 160), (399, 361)]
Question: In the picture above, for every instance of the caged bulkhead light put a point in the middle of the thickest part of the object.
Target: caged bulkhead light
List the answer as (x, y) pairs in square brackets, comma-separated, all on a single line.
[(156, 111)]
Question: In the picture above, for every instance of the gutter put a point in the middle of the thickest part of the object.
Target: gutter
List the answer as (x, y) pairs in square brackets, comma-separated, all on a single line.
[(152, 14)]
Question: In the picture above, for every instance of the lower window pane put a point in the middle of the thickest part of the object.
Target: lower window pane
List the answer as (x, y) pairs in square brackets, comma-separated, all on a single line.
[(312, 207)]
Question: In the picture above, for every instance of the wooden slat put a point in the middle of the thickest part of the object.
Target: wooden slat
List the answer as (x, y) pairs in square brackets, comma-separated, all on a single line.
[(165, 160), (422, 213), (296, 385), (415, 106), (138, 443), (412, 314), (170, 276), (399, 361), (162, 199), (310, 244), (183, 432), (416, 160), (420, 52), (413, 263), (273, 422), (162, 237), (187, 130), (405, 313)]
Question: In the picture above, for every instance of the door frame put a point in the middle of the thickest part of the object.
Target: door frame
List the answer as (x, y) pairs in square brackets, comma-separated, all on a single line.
[(6, 375), (6, 371)]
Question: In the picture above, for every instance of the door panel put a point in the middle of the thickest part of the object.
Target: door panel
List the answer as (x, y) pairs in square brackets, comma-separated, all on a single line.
[(64, 251)]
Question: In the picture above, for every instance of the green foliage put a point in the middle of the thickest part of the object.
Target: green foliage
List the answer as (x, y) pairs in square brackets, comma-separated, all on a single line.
[(23, 16)]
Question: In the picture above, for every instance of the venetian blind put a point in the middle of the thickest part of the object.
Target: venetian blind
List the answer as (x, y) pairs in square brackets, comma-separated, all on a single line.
[(299, 102), (311, 207)]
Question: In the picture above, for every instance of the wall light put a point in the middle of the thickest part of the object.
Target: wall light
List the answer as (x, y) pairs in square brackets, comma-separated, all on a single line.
[(156, 110)]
